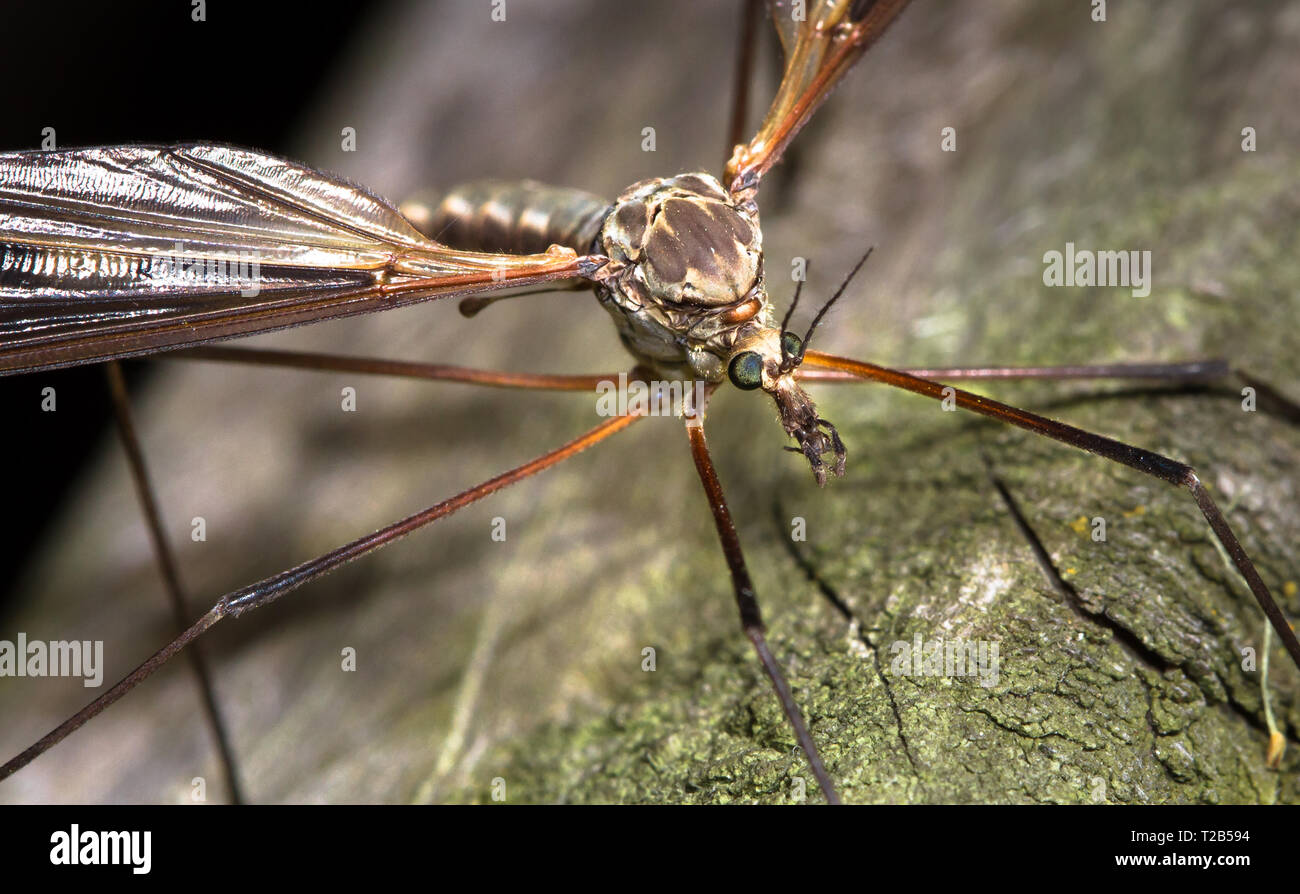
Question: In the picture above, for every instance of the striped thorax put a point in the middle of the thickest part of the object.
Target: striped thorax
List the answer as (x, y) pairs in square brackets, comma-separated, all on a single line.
[(689, 280)]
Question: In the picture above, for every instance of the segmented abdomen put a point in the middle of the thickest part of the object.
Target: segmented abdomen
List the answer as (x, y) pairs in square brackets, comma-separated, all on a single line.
[(520, 216)]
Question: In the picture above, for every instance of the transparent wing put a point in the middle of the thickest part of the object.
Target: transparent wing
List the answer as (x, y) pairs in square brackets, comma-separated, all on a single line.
[(822, 39), (123, 250)]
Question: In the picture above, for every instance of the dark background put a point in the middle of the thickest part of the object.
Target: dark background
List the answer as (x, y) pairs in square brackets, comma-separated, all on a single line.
[(170, 80)]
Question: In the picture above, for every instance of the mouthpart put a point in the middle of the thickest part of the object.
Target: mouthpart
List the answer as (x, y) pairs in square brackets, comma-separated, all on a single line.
[(818, 440)]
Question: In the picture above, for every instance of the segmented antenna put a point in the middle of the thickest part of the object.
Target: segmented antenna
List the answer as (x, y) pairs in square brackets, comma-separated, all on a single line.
[(803, 346), (838, 292)]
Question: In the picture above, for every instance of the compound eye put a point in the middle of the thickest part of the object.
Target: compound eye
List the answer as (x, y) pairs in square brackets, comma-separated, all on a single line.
[(791, 344), (746, 370)]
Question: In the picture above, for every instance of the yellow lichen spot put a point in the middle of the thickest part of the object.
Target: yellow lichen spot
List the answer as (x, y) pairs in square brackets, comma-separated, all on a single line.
[(1080, 525), (1136, 510), (1069, 572), (1288, 589)]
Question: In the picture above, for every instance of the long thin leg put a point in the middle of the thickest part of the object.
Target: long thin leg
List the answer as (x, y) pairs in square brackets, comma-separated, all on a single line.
[(1151, 463), (171, 575), (751, 618), (1270, 398), (403, 368), (1194, 371), (268, 590)]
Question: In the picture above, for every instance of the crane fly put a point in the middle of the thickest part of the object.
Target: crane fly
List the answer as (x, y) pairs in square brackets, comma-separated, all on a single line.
[(337, 251)]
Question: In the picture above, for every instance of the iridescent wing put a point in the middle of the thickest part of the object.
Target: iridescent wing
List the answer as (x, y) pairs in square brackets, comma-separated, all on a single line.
[(124, 250), (822, 39)]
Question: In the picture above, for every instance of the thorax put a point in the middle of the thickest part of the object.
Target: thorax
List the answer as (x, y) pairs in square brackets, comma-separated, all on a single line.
[(690, 279)]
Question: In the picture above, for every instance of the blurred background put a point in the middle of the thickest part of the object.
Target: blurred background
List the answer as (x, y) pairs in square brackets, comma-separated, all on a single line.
[(522, 659)]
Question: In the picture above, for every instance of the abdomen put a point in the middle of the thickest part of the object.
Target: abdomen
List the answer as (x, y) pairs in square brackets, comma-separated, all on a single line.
[(520, 216)]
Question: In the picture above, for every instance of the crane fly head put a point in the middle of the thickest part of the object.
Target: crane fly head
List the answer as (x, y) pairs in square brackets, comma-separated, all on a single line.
[(768, 360)]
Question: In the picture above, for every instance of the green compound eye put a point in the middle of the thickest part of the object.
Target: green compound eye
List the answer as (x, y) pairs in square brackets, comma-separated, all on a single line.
[(746, 370), (791, 344)]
